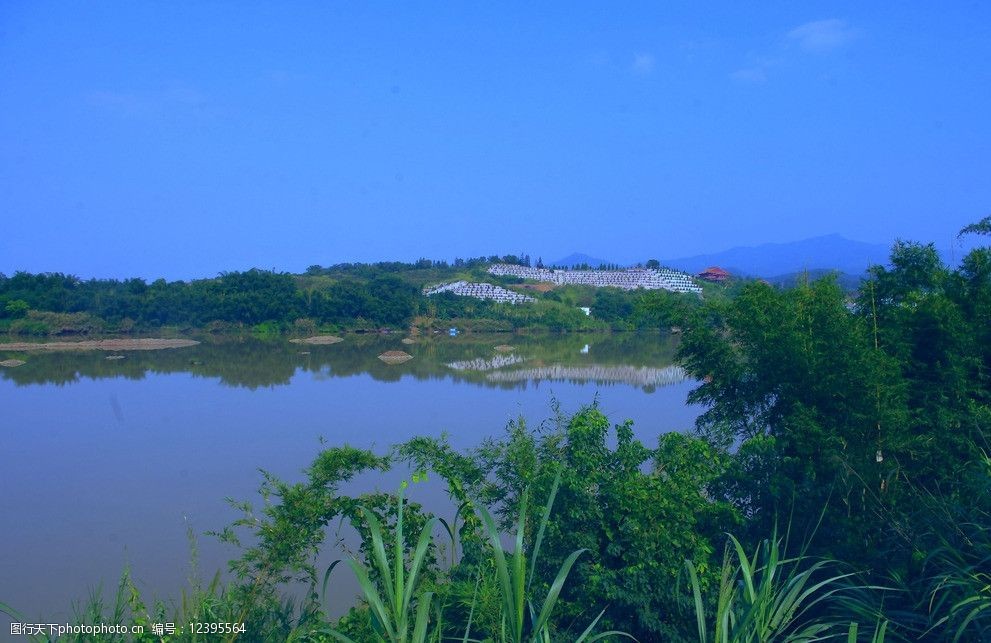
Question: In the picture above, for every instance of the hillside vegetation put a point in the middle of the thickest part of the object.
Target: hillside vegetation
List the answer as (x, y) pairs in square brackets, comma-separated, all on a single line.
[(341, 297)]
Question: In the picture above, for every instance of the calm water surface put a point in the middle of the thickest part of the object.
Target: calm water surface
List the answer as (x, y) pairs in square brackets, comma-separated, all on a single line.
[(106, 462)]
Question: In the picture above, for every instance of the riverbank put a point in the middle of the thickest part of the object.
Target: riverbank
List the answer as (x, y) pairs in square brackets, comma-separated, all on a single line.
[(143, 344)]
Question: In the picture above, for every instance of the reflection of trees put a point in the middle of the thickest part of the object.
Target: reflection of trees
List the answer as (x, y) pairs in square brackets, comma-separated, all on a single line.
[(252, 363), (247, 362)]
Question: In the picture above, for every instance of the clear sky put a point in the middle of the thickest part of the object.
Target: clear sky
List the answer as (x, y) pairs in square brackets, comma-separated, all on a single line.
[(181, 139)]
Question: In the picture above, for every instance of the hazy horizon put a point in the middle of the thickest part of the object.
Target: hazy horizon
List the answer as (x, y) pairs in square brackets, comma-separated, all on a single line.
[(951, 252), (184, 140)]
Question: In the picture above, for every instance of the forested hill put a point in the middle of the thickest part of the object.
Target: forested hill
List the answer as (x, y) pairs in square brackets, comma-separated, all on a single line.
[(339, 297)]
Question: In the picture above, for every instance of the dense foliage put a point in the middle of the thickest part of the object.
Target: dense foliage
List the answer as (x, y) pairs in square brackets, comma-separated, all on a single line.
[(844, 443), (864, 422)]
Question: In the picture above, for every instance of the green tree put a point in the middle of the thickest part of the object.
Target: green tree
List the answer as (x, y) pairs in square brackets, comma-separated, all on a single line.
[(640, 512), (15, 309), (798, 367)]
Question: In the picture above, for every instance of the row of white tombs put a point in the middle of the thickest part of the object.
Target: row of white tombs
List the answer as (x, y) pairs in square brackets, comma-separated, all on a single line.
[(630, 279)]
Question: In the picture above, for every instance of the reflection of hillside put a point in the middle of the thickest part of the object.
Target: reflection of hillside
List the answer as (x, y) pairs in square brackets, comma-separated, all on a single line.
[(483, 364), (252, 363), (645, 376)]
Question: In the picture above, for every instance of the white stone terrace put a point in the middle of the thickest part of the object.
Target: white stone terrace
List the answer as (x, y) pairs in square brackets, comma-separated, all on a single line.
[(629, 279), (479, 291)]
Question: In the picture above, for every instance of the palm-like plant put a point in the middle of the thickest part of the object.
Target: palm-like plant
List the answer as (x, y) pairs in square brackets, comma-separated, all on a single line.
[(522, 621), (391, 608), (960, 593), (767, 598)]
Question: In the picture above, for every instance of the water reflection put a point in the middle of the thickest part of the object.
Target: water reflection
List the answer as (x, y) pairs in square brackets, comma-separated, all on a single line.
[(644, 361), (644, 376)]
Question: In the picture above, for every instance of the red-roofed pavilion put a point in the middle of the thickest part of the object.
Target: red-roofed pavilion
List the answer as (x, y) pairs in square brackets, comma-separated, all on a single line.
[(715, 274)]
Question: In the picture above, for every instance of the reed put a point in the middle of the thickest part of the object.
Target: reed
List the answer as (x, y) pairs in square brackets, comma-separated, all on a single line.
[(768, 597), (392, 596), (522, 620)]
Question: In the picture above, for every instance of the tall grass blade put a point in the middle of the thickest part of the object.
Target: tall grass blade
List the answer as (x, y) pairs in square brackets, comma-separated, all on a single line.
[(375, 602), (555, 590), (545, 518), (515, 627), (519, 567), (697, 596), (18, 618), (326, 577), (378, 548), (471, 612), (399, 552), (418, 556), (746, 567), (422, 617)]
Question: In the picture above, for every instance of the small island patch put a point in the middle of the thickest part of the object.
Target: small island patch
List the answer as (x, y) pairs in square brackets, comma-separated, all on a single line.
[(395, 357), (318, 340)]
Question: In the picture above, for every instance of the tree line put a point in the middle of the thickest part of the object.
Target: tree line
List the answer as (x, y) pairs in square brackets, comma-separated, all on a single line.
[(345, 296)]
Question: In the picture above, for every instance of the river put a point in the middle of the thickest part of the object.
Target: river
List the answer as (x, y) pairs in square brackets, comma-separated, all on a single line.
[(108, 458)]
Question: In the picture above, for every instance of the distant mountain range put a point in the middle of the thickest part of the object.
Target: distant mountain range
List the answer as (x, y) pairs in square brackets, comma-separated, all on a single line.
[(578, 259), (774, 261), (831, 252)]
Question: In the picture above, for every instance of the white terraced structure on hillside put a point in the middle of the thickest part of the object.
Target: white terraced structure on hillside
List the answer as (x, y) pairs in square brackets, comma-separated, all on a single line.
[(479, 291), (630, 279)]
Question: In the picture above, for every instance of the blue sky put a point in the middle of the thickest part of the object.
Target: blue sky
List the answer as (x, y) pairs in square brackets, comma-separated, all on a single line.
[(184, 139)]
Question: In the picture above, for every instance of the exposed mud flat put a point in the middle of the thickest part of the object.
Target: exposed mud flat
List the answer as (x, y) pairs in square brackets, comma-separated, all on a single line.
[(11, 363), (395, 357), (318, 340), (101, 345)]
